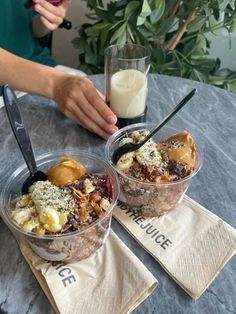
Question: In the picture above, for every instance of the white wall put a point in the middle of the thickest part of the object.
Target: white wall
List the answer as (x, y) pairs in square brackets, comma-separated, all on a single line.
[(63, 49), (223, 49), (66, 54)]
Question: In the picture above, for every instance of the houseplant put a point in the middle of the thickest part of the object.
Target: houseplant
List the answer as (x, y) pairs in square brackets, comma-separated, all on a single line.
[(174, 30)]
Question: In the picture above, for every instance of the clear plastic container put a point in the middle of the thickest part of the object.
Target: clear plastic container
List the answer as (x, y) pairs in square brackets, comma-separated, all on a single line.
[(149, 198), (68, 247)]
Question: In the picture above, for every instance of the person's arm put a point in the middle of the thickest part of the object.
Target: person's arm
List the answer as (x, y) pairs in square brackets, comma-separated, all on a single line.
[(26, 75), (76, 96), (49, 17)]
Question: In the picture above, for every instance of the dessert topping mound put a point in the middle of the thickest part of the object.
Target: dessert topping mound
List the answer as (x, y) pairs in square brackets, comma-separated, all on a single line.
[(74, 200), (168, 160)]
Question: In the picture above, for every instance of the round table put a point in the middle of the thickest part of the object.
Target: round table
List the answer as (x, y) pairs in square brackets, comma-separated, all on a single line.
[(210, 117)]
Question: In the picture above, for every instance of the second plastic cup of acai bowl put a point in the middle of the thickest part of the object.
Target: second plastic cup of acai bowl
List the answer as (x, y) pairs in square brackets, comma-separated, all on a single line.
[(155, 178)]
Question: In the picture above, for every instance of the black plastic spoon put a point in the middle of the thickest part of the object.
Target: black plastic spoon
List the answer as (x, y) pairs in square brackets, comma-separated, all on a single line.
[(130, 147), (22, 138)]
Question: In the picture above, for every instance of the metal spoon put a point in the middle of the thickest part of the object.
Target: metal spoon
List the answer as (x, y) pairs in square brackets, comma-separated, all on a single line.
[(22, 138), (130, 147)]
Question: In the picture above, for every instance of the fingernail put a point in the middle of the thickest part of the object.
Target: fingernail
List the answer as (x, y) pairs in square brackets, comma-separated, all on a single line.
[(113, 129), (111, 119)]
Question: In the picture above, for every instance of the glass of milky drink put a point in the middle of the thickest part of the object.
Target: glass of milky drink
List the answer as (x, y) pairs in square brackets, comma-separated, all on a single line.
[(154, 178), (126, 69)]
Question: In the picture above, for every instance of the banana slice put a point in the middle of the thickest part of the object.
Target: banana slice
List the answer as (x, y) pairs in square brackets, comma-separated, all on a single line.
[(21, 215), (50, 219), (147, 155), (125, 161), (138, 136), (30, 225)]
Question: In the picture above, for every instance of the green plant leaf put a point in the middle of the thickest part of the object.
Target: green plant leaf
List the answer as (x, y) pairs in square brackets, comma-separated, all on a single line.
[(158, 54), (157, 13), (217, 65), (118, 33), (149, 26), (216, 80), (197, 24), (208, 11), (197, 55), (120, 3), (216, 14), (104, 36), (92, 32), (100, 3), (223, 4), (231, 86), (78, 43), (145, 11), (231, 75), (122, 39), (214, 25), (92, 16), (130, 32), (119, 13), (131, 8), (232, 28), (158, 3), (189, 47), (115, 25), (102, 14), (166, 25), (232, 4), (200, 43), (205, 65), (101, 25), (197, 76), (90, 57), (142, 37)]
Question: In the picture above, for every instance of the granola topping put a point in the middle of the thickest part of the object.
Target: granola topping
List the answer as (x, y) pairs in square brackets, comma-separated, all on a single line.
[(52, 209), (168, 160)]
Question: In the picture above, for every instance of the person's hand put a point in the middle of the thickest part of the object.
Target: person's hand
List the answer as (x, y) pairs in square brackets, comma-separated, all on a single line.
[(51, 16), (79, 100)]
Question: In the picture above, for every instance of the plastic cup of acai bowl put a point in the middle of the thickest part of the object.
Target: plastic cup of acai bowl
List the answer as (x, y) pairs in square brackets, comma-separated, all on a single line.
[(72, 246), (149, 198)]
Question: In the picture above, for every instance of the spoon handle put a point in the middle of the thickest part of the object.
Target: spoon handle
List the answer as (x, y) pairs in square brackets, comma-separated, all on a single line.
[(18, 128), (169, 116)]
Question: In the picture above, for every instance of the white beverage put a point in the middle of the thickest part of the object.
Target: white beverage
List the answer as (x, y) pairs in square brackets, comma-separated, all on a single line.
[(128, 93)]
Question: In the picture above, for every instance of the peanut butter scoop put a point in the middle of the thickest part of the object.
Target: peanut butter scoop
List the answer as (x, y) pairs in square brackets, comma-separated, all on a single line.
[(181, 148), (66, 171)]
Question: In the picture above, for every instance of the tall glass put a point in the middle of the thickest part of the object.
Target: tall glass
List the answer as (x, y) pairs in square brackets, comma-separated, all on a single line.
[(126, 69)]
